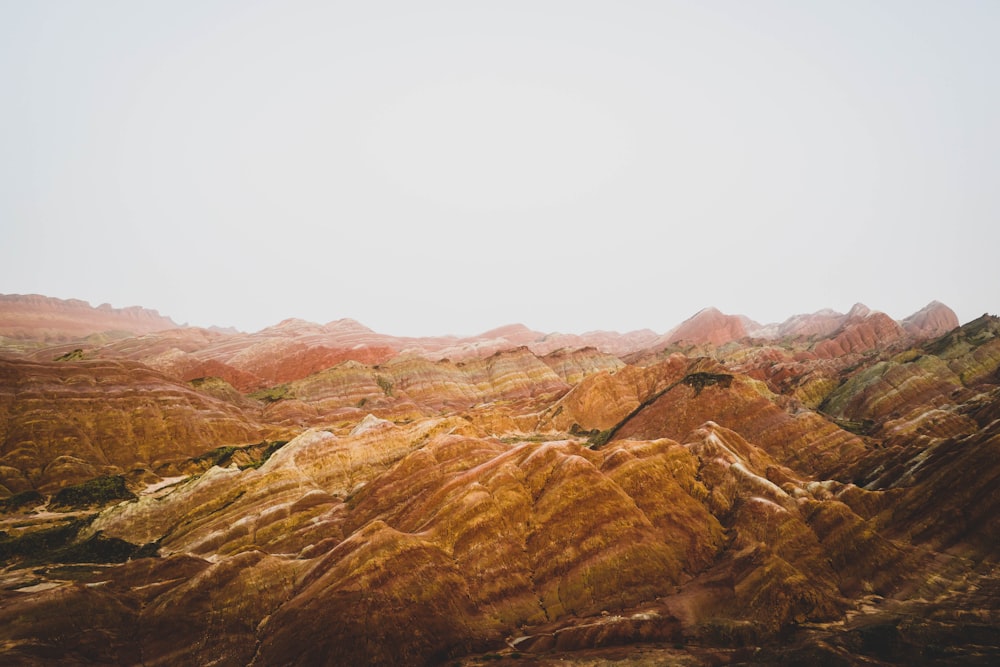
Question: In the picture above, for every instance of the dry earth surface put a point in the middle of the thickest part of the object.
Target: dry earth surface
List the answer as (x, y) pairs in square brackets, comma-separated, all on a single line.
[(819, 491)]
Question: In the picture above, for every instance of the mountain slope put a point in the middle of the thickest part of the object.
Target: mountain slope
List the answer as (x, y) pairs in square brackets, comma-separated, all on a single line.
[(825, 496)]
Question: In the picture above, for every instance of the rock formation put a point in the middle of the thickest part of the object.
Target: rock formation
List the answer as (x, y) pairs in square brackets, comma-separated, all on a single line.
[(820, 491)]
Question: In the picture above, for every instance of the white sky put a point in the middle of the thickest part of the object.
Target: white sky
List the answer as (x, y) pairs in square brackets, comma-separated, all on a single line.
[(431, 168)]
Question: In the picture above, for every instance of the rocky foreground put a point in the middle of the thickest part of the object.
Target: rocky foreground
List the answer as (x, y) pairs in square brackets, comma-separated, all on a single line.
[(823, 490)]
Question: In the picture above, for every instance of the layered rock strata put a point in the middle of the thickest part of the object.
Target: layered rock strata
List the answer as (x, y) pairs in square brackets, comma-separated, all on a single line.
[(822, 497)]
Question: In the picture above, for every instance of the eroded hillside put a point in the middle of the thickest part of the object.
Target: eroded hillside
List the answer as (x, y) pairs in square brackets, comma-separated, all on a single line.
[(820, 491)]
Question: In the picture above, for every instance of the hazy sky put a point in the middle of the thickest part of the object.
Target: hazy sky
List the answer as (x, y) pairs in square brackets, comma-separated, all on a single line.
[(448, 167)]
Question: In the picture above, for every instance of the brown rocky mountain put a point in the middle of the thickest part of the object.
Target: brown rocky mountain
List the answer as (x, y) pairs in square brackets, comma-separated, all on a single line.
[(821, 491)]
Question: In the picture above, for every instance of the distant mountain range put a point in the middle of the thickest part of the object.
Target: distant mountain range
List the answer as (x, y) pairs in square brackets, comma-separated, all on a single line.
[(45, 319)]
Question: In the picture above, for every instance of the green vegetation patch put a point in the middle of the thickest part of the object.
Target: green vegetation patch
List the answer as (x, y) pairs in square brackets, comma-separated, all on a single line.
[(272, 394), (535, 437), (245, 456), (59, 544), (100, 549), (701, 380), (220, 456), (21, 500), (270, 448), (37, 543), (97, 491), (596, 438), (857, 427), (75, 355), (385, 384), (600, 438)]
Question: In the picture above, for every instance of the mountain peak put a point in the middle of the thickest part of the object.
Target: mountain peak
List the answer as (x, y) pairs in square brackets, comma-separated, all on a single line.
[(513, 332), (708, 325), (858, 311), (345, 324), (934, 319)]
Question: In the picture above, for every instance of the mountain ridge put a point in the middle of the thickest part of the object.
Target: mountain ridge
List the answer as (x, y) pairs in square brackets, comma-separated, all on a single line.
[(20, 313), (316, 498)]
